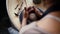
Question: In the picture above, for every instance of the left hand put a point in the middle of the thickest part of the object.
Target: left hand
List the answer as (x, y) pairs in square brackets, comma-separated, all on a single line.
[(25, 13)]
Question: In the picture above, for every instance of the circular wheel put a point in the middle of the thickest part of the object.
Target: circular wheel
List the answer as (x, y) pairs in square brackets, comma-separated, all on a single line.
[(14, 8)]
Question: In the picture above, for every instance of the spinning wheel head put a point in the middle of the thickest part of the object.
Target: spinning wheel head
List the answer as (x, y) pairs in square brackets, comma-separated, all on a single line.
[(13, 10)]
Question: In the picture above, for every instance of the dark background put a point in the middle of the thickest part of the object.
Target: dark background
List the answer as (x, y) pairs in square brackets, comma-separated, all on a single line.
[(4, 19)]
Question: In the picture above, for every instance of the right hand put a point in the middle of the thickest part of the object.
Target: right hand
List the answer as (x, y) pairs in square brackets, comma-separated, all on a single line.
[(26, 12)]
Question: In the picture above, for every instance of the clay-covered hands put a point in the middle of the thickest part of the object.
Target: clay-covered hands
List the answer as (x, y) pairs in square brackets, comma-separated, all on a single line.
[(30, 9), (27, 11)]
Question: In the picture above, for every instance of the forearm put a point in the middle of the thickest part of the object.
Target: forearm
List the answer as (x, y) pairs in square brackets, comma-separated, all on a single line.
[(24, 21)]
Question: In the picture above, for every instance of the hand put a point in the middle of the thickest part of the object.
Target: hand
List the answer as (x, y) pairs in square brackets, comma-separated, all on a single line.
[(29, 9), (25, 13), (37, 11)]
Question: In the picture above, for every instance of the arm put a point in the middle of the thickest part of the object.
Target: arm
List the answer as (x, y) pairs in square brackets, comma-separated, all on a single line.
[(24, 21), (50, 25), (25, 16)]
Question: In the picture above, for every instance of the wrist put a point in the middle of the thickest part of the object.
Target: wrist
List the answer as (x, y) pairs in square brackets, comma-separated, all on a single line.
[(24, 18), (24, 21)]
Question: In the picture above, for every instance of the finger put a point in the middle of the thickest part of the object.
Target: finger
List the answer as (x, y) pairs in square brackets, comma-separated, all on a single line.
[(31, 10), (26, 10), (35, 9)]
